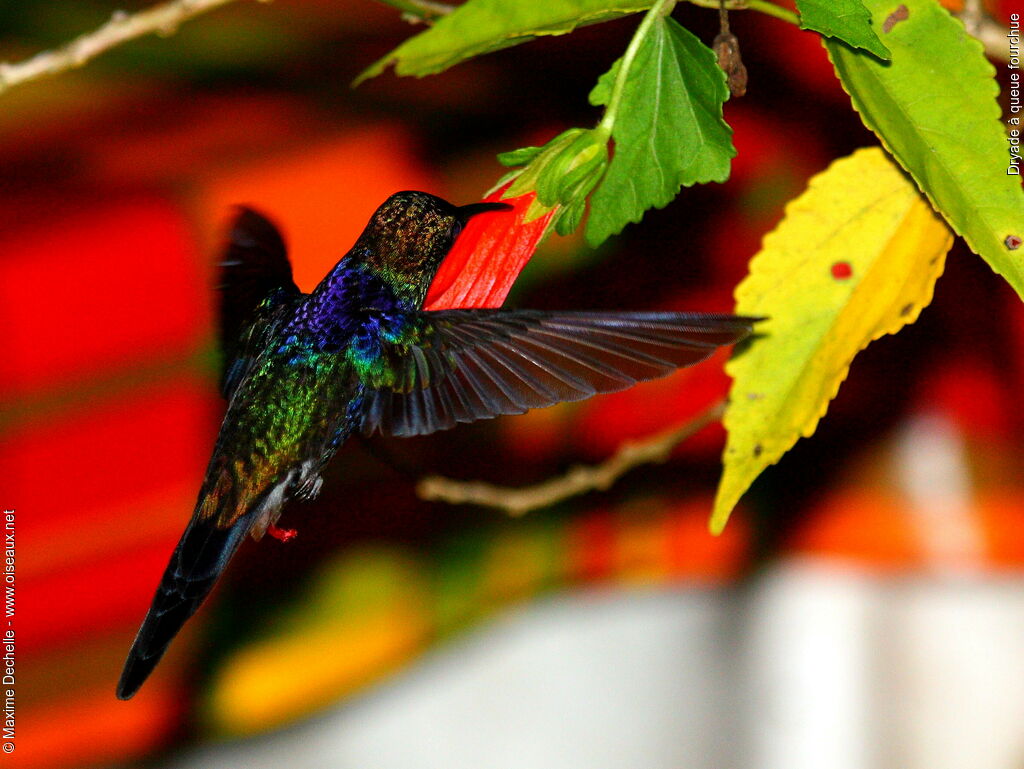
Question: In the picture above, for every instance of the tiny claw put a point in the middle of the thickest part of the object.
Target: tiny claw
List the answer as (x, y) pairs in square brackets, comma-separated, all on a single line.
[(284, 535)]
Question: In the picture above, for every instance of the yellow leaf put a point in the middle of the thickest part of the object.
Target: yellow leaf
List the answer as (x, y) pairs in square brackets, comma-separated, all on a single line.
[(856, 257)]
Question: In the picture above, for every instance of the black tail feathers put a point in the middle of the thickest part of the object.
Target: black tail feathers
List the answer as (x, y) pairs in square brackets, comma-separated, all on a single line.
[(198, 561)]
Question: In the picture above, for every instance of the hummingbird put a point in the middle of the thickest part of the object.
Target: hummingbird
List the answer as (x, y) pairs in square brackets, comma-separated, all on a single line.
[(360, 355)]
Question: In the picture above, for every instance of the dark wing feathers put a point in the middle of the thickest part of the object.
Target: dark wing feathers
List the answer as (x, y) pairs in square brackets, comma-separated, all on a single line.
[(476, 364), (255, 277)]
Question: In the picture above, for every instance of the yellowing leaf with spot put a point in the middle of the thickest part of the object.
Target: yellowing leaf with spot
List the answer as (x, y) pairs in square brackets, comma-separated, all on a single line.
[(856, 257)]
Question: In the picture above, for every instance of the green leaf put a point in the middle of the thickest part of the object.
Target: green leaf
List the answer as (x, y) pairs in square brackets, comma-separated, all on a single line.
[(935, 109), (529, 178), (846, 20), (574, 171), (570, 217), (519, 157), (481, 26), (668, 128), (602, 92), (565, 169)]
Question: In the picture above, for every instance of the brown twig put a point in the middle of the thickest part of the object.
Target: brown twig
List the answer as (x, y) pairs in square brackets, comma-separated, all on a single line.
[(763, 6), (727, 48), (163, 19), (723, 18), (976, 19), (579, 480)]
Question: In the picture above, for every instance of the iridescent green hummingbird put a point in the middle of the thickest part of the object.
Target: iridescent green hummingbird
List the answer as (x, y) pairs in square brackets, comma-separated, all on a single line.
[(359, 354)]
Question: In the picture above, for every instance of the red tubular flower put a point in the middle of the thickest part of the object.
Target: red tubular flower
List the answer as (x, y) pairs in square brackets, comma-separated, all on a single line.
[(488, 256)]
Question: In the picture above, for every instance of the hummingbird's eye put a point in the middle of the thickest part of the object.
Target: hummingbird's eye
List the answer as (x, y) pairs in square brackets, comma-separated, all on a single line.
[(456, 229)]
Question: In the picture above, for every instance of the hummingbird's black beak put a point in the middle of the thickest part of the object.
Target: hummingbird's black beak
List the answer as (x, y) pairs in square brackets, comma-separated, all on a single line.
[(465, 213)]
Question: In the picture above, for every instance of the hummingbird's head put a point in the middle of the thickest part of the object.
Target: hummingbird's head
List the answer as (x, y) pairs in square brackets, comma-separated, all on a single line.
[(411, 233)]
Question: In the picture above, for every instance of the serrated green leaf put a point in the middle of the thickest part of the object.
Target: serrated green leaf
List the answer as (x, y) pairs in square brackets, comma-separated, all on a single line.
[(668, 129), (935, 109), (482, 26), (856, 257), (846, 20)]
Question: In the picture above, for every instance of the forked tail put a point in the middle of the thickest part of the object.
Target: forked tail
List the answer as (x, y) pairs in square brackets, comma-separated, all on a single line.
[(198, 561)]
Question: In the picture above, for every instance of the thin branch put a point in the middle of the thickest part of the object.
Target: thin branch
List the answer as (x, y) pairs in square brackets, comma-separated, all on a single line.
[(579, 480), (162, 19), (976, 19), (415, 11), (971, 15), (763, 6)]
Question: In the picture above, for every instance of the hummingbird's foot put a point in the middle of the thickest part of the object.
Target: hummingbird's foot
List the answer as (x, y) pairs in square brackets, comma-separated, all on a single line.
[(309, 489), (284, 535)]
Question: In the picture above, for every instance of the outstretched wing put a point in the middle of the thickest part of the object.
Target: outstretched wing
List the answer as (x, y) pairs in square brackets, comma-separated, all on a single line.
[(255, 279), (465, 365)]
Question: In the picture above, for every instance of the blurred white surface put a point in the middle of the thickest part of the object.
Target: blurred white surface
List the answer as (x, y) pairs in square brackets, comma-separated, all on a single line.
[(815, 666), (808, 649), (849, 671), (599, 680)]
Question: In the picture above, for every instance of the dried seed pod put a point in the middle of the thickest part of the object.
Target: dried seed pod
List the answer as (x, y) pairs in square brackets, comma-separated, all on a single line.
[(727, 48)]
